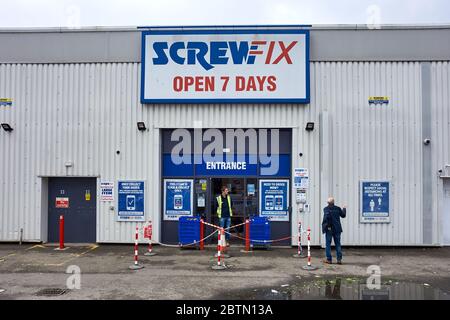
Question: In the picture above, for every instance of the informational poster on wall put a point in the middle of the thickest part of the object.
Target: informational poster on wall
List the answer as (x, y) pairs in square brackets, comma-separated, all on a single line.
[(301, 178), (131, 199), (178, 198), (274, 199), (106, 191), (374, 202)]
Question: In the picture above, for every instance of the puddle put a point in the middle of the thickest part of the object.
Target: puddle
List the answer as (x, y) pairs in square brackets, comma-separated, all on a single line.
[(342, 288)]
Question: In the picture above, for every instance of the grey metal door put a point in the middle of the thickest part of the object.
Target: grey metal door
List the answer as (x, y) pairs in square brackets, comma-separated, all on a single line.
[(446, 212), (75, 199)]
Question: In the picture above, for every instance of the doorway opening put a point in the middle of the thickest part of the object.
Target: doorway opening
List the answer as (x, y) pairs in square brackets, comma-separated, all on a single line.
[(76, 200), (244, 196), (446, 212)]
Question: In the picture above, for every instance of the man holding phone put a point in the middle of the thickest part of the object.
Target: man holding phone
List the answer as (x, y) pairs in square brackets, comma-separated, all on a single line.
[(331, 227)]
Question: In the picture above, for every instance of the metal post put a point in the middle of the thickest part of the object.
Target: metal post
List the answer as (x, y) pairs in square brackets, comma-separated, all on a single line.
[(202, 234), (247, 236), (61, 234)]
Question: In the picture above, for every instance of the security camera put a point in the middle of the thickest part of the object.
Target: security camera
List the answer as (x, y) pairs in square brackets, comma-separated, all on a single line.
[(300, 154), (426, 141)]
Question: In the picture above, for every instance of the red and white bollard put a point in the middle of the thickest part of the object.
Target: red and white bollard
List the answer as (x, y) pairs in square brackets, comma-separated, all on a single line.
[(136, 264), (299, 253), (224, 244), (220, 265), (309, 267), (61, 234), (148, 232)]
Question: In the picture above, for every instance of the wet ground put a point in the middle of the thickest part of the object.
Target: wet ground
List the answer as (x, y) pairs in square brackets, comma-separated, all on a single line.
[(405, 273), (341, 288)]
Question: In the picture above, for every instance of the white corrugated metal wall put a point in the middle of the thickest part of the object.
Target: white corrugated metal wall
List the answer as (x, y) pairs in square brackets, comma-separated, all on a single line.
[(86, 112), (440, 139), (375, 142)]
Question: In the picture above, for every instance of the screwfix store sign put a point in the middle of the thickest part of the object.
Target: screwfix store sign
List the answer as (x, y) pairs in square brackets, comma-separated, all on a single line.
[(221, 66)]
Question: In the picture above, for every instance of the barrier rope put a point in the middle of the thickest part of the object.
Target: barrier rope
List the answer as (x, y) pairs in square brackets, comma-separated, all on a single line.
[(211, 225), (235, 226), (214, 232), (186, 245), (263, 241)]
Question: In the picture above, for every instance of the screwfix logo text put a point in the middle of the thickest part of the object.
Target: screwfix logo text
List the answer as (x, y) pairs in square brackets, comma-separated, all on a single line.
[(215, 53)]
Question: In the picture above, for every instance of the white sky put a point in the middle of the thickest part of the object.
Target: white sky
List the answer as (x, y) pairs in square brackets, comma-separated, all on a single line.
[(77, 13)]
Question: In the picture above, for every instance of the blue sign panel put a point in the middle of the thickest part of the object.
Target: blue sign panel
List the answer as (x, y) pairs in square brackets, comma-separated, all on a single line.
[(178, 198), (238, 166), (130, 201), (171, 169), (274, 199), (277, 167), (375, 201)]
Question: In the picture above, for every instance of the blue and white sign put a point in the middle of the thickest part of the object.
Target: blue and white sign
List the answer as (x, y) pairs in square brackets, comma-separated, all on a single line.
[(375, 201), (225, 66), (131, 199), (274, 199), (238, 166), (178, 198)]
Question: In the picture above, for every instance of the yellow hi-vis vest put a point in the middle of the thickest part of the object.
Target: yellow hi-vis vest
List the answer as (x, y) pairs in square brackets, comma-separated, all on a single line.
[(219, 207)]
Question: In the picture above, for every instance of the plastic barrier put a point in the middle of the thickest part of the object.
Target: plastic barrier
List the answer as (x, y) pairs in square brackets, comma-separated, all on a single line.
[(136, 264), (220, 264), (309, 266), (260, 232), (148, 232), (189, 231), (299, 253)]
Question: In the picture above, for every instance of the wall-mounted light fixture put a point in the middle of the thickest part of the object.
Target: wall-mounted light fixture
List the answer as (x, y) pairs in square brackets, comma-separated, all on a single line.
[(141, 126), (68, 164), (7, 127), (309, 126)]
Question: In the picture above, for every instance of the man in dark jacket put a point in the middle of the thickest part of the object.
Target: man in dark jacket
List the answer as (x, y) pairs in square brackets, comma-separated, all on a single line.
[(331, 226)]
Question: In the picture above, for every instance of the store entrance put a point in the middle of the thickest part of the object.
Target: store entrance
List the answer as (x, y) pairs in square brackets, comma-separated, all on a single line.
[(244, 197)]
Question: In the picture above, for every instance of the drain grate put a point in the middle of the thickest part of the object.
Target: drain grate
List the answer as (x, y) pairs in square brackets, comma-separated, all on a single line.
[(51, 292)]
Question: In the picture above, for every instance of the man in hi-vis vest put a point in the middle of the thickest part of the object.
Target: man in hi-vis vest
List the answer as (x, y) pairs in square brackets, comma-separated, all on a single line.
[(224, 211)]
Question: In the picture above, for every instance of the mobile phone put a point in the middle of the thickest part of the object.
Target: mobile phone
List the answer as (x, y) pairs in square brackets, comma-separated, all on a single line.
[(278, 202), (269, 202), (178, 201), (131, 202)]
